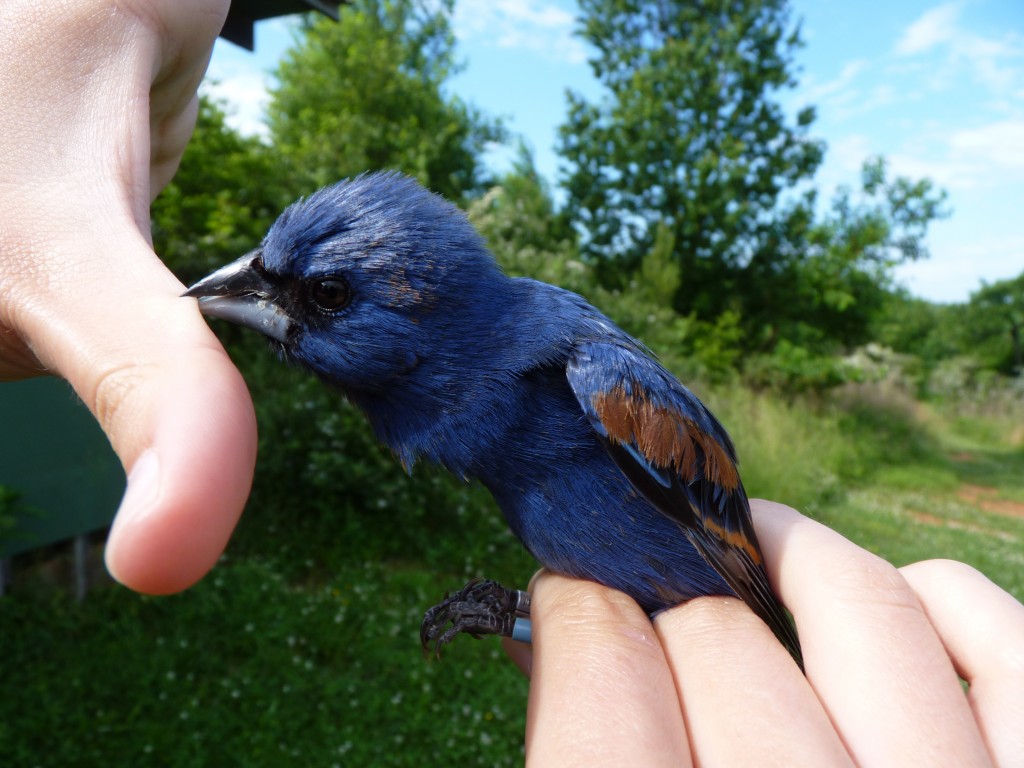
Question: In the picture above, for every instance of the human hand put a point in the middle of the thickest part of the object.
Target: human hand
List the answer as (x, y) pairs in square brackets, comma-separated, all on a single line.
[(99, 100), (709, 684)]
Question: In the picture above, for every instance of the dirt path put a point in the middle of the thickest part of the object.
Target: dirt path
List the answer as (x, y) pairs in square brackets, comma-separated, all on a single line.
[(986, 499)]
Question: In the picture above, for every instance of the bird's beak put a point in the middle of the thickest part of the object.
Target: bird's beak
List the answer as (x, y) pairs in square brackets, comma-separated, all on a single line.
[(242, 292)]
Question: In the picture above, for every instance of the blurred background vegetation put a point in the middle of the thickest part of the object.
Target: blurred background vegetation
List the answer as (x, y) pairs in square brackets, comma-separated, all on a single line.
[(688, 213)]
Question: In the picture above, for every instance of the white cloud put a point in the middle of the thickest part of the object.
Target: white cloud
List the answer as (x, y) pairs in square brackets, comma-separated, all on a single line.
[(245, 98), (957, 268), (933, 28), (945, 170), (813, 92), (998, 145), (855, 91), (534, 25), (235, 78), (992, 62), (846, 156), (983, 157), (534, 13), (989, 156)]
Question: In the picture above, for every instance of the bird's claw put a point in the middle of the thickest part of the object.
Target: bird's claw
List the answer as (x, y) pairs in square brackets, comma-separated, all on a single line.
[(482, 607)]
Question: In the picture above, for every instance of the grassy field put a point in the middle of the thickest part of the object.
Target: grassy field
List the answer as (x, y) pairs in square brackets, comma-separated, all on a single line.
[(302, 646), (962, 499)]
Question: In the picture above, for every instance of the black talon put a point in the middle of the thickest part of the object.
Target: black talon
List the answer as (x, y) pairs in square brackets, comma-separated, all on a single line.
[(482, 607)]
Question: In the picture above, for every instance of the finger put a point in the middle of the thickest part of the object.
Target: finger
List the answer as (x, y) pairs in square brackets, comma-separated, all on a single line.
[(982, 628), (600, 691), (191, 26), (744, 700), (870, 651), (82, 293), (174, 408), (188, 485)]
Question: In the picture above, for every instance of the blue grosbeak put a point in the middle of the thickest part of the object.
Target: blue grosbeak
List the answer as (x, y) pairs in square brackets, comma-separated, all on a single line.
[(606, 467)]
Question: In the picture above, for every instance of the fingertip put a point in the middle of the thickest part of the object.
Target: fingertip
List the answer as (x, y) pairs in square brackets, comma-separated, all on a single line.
[(751, 705), (597, 664), (145, 363), (773, 512), (584, 609), (187, 490)]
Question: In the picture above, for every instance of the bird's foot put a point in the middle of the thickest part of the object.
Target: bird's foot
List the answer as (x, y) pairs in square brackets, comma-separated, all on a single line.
[(482, 607)]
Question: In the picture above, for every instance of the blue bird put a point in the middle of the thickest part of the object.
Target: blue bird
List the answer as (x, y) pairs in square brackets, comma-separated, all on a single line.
[(605, 466)]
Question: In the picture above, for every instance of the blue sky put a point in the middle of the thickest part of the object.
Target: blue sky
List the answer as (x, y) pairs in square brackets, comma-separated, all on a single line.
[(935, 87)]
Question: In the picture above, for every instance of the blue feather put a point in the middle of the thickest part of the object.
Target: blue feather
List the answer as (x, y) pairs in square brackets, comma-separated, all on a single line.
[(606, 467)]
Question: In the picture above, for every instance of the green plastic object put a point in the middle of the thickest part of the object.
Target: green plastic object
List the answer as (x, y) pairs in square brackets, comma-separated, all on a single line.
[(59, 477)]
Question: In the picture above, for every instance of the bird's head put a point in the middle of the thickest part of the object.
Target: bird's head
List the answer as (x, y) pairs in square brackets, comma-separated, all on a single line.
[(362, 283)]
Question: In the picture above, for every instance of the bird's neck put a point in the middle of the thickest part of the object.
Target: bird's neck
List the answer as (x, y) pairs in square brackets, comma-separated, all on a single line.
[(463, 385)]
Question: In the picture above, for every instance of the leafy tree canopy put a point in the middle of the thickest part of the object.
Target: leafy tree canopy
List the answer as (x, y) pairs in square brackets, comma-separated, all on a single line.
[(995, 323), (689, 135), (222, 200), (689, 149), (819, 279), (367, 93)]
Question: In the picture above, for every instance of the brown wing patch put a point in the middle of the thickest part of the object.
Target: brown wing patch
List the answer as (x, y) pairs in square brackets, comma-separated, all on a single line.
[(734, 539), (663, 435)]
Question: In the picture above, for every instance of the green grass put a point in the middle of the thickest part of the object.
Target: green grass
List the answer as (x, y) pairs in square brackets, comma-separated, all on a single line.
[(905, 480), (302, 646), (248, 669)]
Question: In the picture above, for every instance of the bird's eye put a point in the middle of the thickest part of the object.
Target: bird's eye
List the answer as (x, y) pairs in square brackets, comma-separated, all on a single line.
[(330, 294)]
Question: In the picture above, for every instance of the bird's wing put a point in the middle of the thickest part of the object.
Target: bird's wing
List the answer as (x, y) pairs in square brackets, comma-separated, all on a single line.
[(680, 458)]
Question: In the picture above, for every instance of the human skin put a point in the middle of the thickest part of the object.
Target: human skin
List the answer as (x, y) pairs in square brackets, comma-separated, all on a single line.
[(708, 684), (99, 100)]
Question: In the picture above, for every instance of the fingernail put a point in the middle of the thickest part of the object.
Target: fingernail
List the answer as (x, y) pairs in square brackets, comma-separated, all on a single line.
[(143, 488), (138, 502)]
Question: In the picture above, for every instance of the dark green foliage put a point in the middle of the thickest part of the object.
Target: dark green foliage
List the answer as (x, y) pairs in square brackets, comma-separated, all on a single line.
[(224, 197), (689, 136), (995, 320), (366, 93), (962, 349), (10, 508), (819, 281), (251, 669), (301, 647), (847, 256), (791, 368), (918, 327), (527, 236)]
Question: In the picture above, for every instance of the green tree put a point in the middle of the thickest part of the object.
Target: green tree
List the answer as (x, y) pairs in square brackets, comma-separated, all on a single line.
[(222, 200), (996, 324), (820, 280), (367, 93), (528, 238), (689, 136), (915, 326), (517, 217)]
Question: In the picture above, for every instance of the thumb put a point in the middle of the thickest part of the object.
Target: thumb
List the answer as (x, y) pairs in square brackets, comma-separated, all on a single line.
[(162, 388), (95, 95)]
